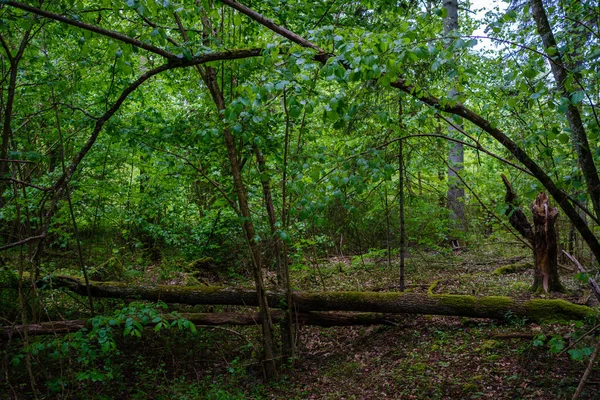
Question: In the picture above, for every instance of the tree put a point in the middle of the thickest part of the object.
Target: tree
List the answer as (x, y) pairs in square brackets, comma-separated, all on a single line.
[(456, 192)]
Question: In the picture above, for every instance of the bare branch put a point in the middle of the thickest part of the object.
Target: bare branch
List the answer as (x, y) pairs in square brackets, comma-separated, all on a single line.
[(21, 242), (26, 184), (16, 161), (201, 172)]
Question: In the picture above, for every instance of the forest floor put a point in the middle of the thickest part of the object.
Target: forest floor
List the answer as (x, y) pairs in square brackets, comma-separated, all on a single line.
[(417, 357)]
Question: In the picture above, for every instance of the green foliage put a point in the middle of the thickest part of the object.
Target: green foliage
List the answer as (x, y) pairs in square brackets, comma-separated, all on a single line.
[(93, 350)]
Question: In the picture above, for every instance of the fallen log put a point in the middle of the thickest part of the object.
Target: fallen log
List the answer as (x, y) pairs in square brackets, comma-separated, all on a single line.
[(216, 319), (378, 302)]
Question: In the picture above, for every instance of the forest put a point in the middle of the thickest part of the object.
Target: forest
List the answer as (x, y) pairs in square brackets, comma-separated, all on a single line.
[(292, 199)]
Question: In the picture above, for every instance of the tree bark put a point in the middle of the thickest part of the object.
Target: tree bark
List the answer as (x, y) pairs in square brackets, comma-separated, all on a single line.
[(379, 302), (545, 246), (578, 134), (456, 153), (401, 198), (542, 236)]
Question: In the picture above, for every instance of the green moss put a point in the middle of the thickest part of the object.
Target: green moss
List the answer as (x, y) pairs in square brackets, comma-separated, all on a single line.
[(455, 300), (470, 387), (488, 345), (555, 310), (513, 268), (500, 302), (418, 367), (432, 287), (200, 264)]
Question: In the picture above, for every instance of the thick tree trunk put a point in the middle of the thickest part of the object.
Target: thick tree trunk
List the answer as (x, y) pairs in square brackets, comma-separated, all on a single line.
[(379, 302)]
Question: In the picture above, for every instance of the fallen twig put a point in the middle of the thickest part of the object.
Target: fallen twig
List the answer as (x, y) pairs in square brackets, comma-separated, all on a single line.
[(587, 371)]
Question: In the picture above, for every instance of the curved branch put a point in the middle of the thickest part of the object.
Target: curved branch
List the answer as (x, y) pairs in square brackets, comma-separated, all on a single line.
[(286, 33), (93, 28)]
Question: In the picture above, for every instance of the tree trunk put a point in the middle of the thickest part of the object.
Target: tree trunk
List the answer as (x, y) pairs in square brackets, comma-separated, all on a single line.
[(456, 154), (209, 77), (542, 238), (401, 198), (287, 326), (379, 302), (545, 246), (578, 134)]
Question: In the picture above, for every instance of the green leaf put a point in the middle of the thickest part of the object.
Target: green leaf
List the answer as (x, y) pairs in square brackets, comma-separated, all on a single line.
[(576, 354), (441, 12), (535, 96), (563, 138), (530, 73), (577, 97)]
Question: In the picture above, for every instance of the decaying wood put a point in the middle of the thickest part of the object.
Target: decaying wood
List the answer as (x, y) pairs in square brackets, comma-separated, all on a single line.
[(323, 319), (378, 302), (542, 237), (545, 246)]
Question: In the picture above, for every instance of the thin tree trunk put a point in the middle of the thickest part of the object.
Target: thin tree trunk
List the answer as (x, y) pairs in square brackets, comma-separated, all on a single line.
[(287, 326), (287, 332), (587, 372), (209, 77), (248, 227), (401, 199)]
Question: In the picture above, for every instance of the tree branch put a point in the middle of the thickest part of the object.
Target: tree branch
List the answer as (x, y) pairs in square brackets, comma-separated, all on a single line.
[(92, 28), (322, 55), (20, 242)]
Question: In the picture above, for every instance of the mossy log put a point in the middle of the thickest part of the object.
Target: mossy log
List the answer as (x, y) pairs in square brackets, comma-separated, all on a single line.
[(513, 268), (373, 302), (324, 319)]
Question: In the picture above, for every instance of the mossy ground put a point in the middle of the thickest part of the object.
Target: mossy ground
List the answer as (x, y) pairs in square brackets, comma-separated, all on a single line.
[(420, 357)]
